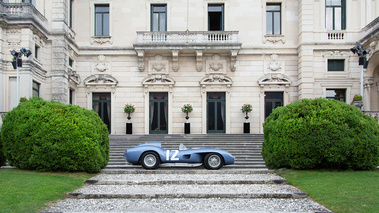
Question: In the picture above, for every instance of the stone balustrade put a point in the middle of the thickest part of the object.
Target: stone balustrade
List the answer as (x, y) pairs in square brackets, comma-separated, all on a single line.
[(22, 11), (188, 37)]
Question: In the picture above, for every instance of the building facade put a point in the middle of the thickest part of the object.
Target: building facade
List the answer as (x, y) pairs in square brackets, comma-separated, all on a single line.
[(213, 54)]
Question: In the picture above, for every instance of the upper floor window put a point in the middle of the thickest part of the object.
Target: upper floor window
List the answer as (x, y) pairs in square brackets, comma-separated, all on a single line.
[(29, 1), (335, 14), (336, 65), (36, 51), (102, 20), (158, 17), (273, 19), (71, 6), (216, 17)]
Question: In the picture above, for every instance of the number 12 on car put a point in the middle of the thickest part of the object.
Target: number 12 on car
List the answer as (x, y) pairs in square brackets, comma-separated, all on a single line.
[(174, 157)]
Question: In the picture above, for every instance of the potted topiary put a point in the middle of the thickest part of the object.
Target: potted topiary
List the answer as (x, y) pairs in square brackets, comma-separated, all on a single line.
[(187, 108), (246, 108), (357, 101), (129, 108)]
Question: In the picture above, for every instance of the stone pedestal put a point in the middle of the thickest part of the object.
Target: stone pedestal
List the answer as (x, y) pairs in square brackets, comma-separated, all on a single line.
[(246, 127), (129, 128), (187, 128)]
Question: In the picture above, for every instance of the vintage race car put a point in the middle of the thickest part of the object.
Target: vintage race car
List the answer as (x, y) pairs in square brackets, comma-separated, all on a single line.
[(151, 155)]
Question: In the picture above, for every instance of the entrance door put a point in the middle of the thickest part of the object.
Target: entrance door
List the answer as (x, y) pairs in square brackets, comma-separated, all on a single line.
[(272, 100), (216, 112), (101, 104), (158, 113)]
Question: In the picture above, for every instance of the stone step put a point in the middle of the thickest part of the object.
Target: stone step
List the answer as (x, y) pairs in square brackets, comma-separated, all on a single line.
[(245, 148), (187, 191), (185, 178), (187, 205), (189, 171)]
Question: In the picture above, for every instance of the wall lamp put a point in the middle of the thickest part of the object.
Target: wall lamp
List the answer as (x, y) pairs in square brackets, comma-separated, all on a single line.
[(16, 63)]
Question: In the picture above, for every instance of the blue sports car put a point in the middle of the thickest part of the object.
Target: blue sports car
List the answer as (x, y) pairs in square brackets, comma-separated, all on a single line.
[(151, 155)]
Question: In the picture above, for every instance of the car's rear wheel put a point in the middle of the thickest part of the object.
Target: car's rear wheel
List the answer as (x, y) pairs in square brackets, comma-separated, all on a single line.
[(213, 161), (150, 160)]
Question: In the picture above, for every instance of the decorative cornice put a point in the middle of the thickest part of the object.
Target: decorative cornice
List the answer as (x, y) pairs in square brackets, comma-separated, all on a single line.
[(216, 80), (100, 80), (274, 79), (158, 80)]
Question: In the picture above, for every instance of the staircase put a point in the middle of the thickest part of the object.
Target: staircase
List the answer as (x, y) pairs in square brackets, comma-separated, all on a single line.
[(246, 148)]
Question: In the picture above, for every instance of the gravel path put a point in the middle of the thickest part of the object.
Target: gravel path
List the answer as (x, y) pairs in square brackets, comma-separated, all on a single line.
[(159, 191), (188, 205)]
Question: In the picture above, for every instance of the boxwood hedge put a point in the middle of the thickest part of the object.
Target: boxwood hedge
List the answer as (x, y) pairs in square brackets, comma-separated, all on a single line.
[(320, 133), (50, 136), (2, 157)]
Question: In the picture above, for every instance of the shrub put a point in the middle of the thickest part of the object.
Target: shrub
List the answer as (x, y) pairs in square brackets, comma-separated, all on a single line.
[(2, 157), (320, 133), (51, 136)]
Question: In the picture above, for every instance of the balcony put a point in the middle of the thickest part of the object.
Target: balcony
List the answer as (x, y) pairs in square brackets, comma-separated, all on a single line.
[(197, 42), (187, 40), (21, 13)]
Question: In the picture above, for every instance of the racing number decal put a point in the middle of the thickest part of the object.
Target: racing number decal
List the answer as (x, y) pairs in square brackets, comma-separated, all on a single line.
[(173, 157)]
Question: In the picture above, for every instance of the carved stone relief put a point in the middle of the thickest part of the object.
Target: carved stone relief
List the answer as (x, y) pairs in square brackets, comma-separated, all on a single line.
[(274, 65), (158, 65), (100, 80), (274, 39), (216, 65), (101, 40), (102, 65), (158, 80)]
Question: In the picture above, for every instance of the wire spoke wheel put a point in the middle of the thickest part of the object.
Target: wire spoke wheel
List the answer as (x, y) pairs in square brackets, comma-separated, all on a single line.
[(213, 161), (150, 160)]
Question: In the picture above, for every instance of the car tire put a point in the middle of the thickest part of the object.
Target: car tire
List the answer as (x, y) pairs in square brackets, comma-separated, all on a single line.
[(150, 160), (213, 161)]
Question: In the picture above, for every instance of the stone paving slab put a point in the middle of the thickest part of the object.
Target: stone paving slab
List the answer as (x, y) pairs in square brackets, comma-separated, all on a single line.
[(182, 205)]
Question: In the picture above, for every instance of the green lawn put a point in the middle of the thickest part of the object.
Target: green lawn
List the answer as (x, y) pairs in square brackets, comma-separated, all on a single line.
[(27, 191), (348, 191)]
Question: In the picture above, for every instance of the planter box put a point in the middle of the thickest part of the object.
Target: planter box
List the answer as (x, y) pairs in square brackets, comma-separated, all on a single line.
[(187, 128), (129, 128), (246, 127)]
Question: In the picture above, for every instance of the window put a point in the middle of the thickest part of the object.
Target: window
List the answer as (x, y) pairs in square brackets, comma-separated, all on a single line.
[(216, 17), (30, 1), (36, 51), (335, 14), (102, 20), (158, 18), (70, 13), (273, 19), (70, 62), (71, 96), (336, 65), (36, 87), (336, 94)]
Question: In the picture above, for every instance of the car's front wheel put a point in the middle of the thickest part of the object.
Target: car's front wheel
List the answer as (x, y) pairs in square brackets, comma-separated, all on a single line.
[(150, 160), (213, 161)]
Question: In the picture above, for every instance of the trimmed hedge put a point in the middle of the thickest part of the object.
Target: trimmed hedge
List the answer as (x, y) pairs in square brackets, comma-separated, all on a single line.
[(2, 157), (50, 136), (320, 133)]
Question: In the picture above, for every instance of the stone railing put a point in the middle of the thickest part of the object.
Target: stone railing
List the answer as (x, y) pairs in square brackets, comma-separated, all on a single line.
[(187, 37), (336, 35), (21, 11), (374, 114)]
